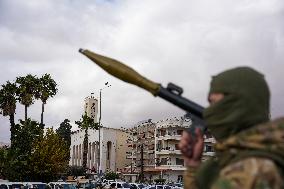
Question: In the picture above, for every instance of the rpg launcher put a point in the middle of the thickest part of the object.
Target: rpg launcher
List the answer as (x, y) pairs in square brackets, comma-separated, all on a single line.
[(172, 93)]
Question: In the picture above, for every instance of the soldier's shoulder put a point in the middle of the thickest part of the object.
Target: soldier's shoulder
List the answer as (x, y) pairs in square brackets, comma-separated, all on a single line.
[(252, 172)]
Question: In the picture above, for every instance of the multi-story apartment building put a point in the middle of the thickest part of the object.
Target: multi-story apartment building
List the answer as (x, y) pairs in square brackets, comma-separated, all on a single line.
[(168, 157), (154, 145), (145, 150)]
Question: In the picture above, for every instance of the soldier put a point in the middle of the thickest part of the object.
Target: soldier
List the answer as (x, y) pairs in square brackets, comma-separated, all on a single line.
[(249, 148)]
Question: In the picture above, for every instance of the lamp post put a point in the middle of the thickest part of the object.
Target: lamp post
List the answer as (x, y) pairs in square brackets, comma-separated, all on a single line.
[(100, 117)]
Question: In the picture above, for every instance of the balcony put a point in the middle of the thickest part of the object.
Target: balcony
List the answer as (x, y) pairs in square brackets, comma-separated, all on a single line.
[(169, 137), (168, 151), (132, 145), (208, 153), (130, 157), (172, 167), (210, 140)]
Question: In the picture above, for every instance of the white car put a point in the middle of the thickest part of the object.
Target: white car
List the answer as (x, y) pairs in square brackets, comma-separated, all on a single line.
[(61, 185), (177, 186), (159, 187)]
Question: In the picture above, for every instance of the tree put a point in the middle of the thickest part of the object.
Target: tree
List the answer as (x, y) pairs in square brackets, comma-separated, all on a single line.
[(111, 176), (160, 181), (48, 159), (3, 161), (76, 171), (17, 166), (8, 100), (45, 88), (64, 131), (25, 134), (85, 124), (27, 90)]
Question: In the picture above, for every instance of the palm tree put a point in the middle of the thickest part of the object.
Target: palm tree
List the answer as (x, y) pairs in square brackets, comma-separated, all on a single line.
[(26, 90), (86, 123), (45, 89), (8, 100)]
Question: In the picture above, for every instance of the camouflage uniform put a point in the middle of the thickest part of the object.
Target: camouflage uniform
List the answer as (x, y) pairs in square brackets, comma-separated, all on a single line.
[(250, 148), (261, 171)]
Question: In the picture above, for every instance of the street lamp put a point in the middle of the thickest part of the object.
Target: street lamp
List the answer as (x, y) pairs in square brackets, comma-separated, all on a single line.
[(100, 117)]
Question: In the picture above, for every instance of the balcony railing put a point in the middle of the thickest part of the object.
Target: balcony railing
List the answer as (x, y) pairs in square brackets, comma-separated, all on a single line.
[(169, 137), (168, 151), (173, 167)]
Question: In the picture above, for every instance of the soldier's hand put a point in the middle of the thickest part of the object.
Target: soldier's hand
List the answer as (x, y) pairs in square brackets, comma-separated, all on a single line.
[(192, 147)]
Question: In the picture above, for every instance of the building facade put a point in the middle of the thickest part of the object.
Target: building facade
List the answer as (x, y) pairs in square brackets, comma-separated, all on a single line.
[(154, 150), (112, 146), (145, 152), (91, 108), (113, 149), (168, 157)]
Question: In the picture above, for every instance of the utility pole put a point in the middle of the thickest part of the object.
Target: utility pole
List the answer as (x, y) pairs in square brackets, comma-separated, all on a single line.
[(100, 117), (99, 152), (132, 141)]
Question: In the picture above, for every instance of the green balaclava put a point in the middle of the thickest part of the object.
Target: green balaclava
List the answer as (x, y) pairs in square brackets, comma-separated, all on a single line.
[(245, 102)]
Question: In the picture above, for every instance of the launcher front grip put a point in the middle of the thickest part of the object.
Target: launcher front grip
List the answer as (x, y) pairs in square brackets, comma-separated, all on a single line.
[(171, 94)]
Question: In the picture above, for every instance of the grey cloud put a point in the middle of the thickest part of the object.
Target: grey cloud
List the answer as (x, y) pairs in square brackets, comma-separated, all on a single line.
[(184, 43)]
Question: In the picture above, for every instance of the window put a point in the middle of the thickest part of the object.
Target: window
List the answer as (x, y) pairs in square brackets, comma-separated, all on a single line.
[(3, 186), (176, 147), (108, 150), (179, 161), (164, 161), (180, 179), (163, 132), (208, 148), (179, 132), (126, 185)]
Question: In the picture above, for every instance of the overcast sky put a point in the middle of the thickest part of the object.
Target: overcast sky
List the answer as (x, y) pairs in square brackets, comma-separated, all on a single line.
[(185, 42)]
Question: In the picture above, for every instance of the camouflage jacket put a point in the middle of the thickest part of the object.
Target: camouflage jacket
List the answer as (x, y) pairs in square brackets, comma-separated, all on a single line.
[(252, 159)]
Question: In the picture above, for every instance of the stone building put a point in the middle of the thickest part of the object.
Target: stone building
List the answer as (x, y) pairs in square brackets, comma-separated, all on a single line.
[(112, 146), (112, 154)]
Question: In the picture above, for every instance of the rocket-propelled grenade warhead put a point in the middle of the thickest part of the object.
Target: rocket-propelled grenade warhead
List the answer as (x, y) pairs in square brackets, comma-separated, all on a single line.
[(171, 93), (121, 71)]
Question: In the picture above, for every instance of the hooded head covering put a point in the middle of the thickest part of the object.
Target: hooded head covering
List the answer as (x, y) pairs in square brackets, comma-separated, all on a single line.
[(245, 102)]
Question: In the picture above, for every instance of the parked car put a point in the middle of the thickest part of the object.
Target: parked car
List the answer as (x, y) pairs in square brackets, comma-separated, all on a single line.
[(122, 185), (4, 185), (62, 185), (159, 187), (15, 185), (177, 186), (137, 186)]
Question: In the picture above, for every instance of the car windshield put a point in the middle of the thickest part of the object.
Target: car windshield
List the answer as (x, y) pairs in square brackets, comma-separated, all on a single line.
[(15, 186), (126, 185), (39, 186), (3, 186), (68, 186)]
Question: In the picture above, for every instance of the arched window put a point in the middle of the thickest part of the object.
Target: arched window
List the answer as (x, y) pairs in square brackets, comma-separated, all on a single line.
[(108, 150)]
